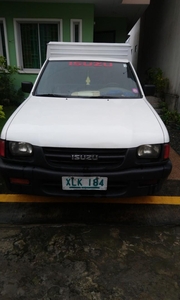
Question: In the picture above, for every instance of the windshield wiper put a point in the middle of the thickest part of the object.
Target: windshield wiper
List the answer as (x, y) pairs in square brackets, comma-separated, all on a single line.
[(85, 97), (105, 97), (51, 95)]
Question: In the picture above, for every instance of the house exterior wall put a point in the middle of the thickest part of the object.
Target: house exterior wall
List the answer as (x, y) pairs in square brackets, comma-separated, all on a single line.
[(12, 10), (133, 40), (160, 43)]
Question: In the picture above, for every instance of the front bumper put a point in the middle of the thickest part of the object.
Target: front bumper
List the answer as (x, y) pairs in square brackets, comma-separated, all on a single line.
[(125, 183)]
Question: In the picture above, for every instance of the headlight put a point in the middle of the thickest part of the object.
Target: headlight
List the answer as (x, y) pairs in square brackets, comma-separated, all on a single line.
[(20, 148), (149, 151)]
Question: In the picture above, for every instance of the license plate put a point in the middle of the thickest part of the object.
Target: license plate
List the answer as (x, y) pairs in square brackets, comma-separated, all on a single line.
[(84, 183)]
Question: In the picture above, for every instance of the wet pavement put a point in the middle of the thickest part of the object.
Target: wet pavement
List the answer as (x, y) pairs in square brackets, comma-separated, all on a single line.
[(80, 261), (91, 251), (79, 251)]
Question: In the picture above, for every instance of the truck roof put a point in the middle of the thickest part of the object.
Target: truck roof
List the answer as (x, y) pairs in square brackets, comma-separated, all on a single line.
[(89, 50), (87, 58)]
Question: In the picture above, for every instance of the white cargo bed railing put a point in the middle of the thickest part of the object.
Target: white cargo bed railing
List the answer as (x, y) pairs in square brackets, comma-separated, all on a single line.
[(117, 51)]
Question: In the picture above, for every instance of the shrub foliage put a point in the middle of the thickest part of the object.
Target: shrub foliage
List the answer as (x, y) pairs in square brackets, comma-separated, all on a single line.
[(156, 77), (9, 95)]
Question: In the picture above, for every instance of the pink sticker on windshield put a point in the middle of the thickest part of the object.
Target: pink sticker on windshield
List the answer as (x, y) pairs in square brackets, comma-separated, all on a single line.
[(135, 91)]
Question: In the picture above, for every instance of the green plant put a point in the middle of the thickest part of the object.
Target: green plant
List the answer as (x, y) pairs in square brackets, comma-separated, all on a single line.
[(8, 93), (2, 114), (171, 118), (8, 110), (166, 116), (175, 118), (156, 77)]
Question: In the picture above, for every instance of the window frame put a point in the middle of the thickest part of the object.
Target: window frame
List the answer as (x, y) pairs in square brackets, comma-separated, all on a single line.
[(73, 23), (3, 22), (18, 43)]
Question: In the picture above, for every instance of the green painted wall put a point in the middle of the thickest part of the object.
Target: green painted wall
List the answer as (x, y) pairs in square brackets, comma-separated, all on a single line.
[(66, 12)]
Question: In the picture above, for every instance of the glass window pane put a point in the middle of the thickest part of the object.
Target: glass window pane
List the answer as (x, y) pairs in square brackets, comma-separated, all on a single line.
[(88, 79), (2, 41), (76, 32), (48, 33), (34, 39), (30, 47)]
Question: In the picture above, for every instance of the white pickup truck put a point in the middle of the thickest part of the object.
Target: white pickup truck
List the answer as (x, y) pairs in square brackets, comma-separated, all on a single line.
[(86, 128)]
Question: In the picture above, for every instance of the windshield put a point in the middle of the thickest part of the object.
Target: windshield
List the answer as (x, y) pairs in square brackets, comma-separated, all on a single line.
[(88, 79)]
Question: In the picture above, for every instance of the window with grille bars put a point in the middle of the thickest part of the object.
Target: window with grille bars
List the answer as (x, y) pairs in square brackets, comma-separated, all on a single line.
[(2, 41), (76, 30), (32, 39)]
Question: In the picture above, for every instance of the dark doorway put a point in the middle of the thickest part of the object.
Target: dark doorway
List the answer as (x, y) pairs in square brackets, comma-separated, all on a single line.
[(104, 36)]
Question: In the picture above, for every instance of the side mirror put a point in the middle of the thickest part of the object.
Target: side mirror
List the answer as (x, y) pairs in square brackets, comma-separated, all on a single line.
[(149, 89), (26, 86)]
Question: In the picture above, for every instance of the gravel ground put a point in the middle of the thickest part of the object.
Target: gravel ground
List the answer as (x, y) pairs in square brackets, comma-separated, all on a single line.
[(89, 262)]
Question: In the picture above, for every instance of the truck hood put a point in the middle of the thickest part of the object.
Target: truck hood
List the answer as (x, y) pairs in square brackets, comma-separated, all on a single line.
[(88, 123)]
